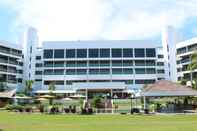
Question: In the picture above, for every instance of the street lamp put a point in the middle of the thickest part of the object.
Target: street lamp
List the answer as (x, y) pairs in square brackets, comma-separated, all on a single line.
[(132, 97)]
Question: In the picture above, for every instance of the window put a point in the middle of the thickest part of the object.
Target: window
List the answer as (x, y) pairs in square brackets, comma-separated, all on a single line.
[(48, 54), (117, 71), (38, 57), (70, 72), (93, 53), (59, 64), (38, 64), (93, 71), (151, 81), (81, 53), (59, 72), (38, 72), (139, 63), (81, 71), (116, 52), (160, 56), (160, 71), (150, 52), (104, 53), (127, 71), (150, 70), (59, 54), (160, 64), (104, 63), (70, 53), (127, 52), (81, 63), (140, 71), (104, 71), (127, 63), (139, 52), (150, 63), (38, 80), (48, 72), (48, 64), (93, 63), (70, 64), (116, 63)]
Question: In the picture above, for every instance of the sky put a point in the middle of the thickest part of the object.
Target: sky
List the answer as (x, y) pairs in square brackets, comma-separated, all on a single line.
[(97, 19)]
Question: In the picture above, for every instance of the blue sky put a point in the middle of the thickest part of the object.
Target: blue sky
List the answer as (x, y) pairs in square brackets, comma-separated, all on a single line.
[(96, 19)]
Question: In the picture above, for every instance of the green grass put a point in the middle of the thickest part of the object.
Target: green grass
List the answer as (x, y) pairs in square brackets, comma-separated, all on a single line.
[(10, 121)]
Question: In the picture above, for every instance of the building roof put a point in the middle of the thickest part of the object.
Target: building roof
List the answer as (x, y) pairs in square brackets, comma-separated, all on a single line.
[(167, 88), (7, 94)]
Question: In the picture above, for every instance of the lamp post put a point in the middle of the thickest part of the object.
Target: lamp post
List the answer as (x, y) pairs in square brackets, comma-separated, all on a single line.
[(132, 96)]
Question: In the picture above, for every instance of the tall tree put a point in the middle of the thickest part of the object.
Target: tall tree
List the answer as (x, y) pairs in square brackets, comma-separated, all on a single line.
[(3, 86), (28, 88), (51, 89), (193, 66)]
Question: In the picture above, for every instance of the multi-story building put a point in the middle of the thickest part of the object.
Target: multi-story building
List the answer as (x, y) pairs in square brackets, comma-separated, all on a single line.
[(96, 66), (11, 63), (184, 51)]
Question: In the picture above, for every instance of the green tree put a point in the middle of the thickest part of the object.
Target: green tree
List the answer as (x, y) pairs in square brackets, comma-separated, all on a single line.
[(28, 88), (3, 86), (51, 89), (96, 102), (192, 66)]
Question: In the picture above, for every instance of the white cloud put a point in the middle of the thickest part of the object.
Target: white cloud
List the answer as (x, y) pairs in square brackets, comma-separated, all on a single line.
[(101, 19)]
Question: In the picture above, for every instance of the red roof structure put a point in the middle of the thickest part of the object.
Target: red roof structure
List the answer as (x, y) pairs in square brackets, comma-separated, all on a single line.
[(164, 88)]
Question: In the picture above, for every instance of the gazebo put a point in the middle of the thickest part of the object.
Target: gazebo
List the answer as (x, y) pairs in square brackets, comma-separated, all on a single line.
[(164, 88)]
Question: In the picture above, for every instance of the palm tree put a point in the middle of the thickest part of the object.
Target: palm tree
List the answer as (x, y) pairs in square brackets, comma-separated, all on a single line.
[(3, 86), (51, 89), (28, 88), (192, 66)]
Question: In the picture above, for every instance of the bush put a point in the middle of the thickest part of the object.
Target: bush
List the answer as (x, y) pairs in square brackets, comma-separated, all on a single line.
[(14, 107), (96, 102)]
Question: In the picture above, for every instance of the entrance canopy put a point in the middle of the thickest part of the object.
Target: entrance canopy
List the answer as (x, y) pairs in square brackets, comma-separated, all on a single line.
[(99, 85), (8, 94), (164, 88)]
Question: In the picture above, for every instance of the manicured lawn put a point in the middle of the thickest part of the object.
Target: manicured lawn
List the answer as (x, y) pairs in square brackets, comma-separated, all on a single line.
[(10, 121)]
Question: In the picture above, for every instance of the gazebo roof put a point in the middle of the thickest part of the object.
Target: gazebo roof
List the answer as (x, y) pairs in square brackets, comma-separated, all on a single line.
[(8, 94), (167, 88)]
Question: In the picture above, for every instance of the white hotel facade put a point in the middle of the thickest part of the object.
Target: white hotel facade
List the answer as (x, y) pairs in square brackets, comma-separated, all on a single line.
[(102, 66)]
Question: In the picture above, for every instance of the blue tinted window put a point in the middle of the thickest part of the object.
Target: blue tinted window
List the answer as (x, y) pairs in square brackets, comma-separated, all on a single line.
[(140, 71), (70, 53), (104, 53), (127, 52), (139, 52), (93, 53), (59, 54), (48, 53), (116, 52), (150, 52), (81, 53)]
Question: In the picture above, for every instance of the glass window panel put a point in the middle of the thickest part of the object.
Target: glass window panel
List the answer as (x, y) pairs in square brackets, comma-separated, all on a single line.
[(116, 52), (59, 64), (70, 53), (117, 71), (48, 64), (58, 72), (127, 52), (127, 71), (150, 52), (104, 63), (93, 71), (139, 63), (48, 72), (127, 63), (160, 71), (81, 64), (104, 53), (150, 62), (116, 63), (81, 71), (93, 63), (70, 72), (93, 53), (48, 54), (150, 70), (70, 64), (160, 63), (81, 53), (59, 54), (104, 71), (140, 71), (139, 52)]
